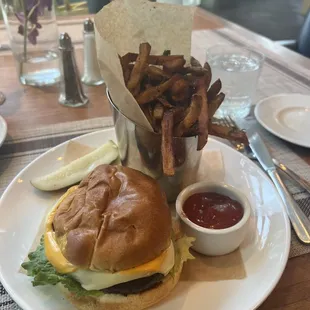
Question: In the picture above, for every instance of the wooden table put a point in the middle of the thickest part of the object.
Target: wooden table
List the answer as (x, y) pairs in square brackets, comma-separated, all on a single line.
[(26, 107)]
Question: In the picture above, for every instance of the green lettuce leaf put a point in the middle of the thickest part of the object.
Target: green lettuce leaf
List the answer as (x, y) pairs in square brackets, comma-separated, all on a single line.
[(182, 253), (44, 273)]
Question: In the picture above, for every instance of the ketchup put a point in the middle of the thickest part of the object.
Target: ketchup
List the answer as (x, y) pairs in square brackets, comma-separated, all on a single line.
[(213, 210)]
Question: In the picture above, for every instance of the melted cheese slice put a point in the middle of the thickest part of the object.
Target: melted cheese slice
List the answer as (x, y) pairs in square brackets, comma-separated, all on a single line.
[(93, 280), (52, 250)]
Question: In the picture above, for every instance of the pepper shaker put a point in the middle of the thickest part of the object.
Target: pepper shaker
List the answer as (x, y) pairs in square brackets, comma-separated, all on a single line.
[(71, 91), (92, 75)]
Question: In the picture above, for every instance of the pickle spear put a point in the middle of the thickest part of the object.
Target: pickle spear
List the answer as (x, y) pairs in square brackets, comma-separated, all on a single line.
[(78, 169)]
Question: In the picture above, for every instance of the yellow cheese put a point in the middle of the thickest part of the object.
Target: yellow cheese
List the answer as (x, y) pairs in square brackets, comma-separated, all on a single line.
[(152, 266), (52, 250)]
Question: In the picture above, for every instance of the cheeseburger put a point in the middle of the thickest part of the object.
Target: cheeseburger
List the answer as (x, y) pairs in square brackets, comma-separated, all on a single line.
[(109, 243)]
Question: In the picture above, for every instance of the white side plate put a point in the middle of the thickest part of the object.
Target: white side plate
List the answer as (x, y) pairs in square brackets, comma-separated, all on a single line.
[(286, 116), (264, 252)]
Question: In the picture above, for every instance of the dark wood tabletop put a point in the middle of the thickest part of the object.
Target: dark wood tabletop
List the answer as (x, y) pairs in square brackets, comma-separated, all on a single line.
[(26, 107)]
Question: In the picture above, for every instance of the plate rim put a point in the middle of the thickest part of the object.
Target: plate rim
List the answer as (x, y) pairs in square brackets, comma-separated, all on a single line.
[(24, 305), (257, 109)]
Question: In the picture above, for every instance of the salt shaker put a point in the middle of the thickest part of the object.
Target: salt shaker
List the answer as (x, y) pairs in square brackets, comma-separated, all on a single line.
[(71, 91), (91, 74)]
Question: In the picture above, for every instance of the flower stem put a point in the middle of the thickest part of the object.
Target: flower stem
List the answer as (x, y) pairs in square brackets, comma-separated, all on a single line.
[(25, 31), (33, 8)]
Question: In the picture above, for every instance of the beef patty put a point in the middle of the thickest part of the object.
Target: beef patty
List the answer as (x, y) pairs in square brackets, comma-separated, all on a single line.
[(135, 286)]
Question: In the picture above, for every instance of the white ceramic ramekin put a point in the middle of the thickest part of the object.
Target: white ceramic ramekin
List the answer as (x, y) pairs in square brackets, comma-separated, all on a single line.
[(214, 242)]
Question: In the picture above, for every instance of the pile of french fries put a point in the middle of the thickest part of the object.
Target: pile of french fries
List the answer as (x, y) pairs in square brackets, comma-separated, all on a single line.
[(177, 100)]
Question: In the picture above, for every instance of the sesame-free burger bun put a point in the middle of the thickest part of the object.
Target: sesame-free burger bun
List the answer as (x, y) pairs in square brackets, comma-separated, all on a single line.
[(116, 219)]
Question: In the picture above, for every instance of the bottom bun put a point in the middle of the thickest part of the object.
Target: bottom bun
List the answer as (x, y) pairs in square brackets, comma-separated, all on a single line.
[(130, 302)]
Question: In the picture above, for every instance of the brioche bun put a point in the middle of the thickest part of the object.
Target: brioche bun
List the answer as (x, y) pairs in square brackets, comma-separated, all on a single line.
[(116, 219)]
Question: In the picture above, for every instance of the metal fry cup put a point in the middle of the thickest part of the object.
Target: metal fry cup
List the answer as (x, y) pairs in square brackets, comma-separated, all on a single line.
[(140, 149)]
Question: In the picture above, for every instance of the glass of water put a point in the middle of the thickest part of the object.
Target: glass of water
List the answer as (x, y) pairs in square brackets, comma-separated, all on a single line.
[(239, 69)]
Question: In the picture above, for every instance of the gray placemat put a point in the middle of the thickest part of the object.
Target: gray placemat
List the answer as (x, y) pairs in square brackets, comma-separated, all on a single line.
[(277, 77)]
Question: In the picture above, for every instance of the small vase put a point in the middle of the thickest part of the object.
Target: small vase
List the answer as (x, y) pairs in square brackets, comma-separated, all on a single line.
[(33, 40)]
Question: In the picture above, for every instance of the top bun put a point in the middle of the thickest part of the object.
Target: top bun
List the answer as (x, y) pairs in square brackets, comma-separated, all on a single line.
[(116, 219)]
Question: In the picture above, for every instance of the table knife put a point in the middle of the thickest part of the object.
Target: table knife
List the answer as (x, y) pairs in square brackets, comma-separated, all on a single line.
[(299, 220)]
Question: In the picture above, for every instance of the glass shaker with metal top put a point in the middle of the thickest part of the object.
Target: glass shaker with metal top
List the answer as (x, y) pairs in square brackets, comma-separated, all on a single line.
[(91, 75)]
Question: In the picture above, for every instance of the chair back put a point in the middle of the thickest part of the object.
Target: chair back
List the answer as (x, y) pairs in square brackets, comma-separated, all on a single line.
[(303, 43)]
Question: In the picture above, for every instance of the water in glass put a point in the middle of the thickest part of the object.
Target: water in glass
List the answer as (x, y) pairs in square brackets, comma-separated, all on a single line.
[(239, 72), (39, 69)]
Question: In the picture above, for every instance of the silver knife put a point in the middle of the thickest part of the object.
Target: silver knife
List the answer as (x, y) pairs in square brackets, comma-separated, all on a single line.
[(299, 220)]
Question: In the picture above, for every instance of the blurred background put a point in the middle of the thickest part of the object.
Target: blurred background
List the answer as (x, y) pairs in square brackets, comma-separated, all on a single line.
[(275, 19), (279, 20)]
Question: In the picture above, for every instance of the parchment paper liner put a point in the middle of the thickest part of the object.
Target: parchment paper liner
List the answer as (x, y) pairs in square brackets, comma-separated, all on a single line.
[(122, 25)]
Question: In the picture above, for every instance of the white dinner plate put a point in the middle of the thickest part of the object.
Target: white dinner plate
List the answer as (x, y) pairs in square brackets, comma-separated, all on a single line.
[(264, 252), (3, 130), (286, 116)]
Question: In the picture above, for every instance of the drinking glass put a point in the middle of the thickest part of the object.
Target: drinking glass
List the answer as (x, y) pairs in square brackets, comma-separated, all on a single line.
[(33, 34), (239, 69)]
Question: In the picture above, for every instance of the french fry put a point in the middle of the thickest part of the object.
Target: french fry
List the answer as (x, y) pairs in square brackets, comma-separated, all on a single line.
[(208, 74), (157, 74), (179, 86), (178, 114), (214, 89), (195, 70), (130, 57), (192, 79), (180, 91), (228, 133), (139, 69), (125, 67), (192, 114), (174, 65), (158, 111), (204, 115), (147, 114), (166, 143), (215, 104), (165, 102), (157, 60), (195, 62), (193, 131), (182, 97), (154, 92), (161, 59)]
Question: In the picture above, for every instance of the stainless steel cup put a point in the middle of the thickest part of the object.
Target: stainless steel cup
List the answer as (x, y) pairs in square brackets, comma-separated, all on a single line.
[(140, 149)]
